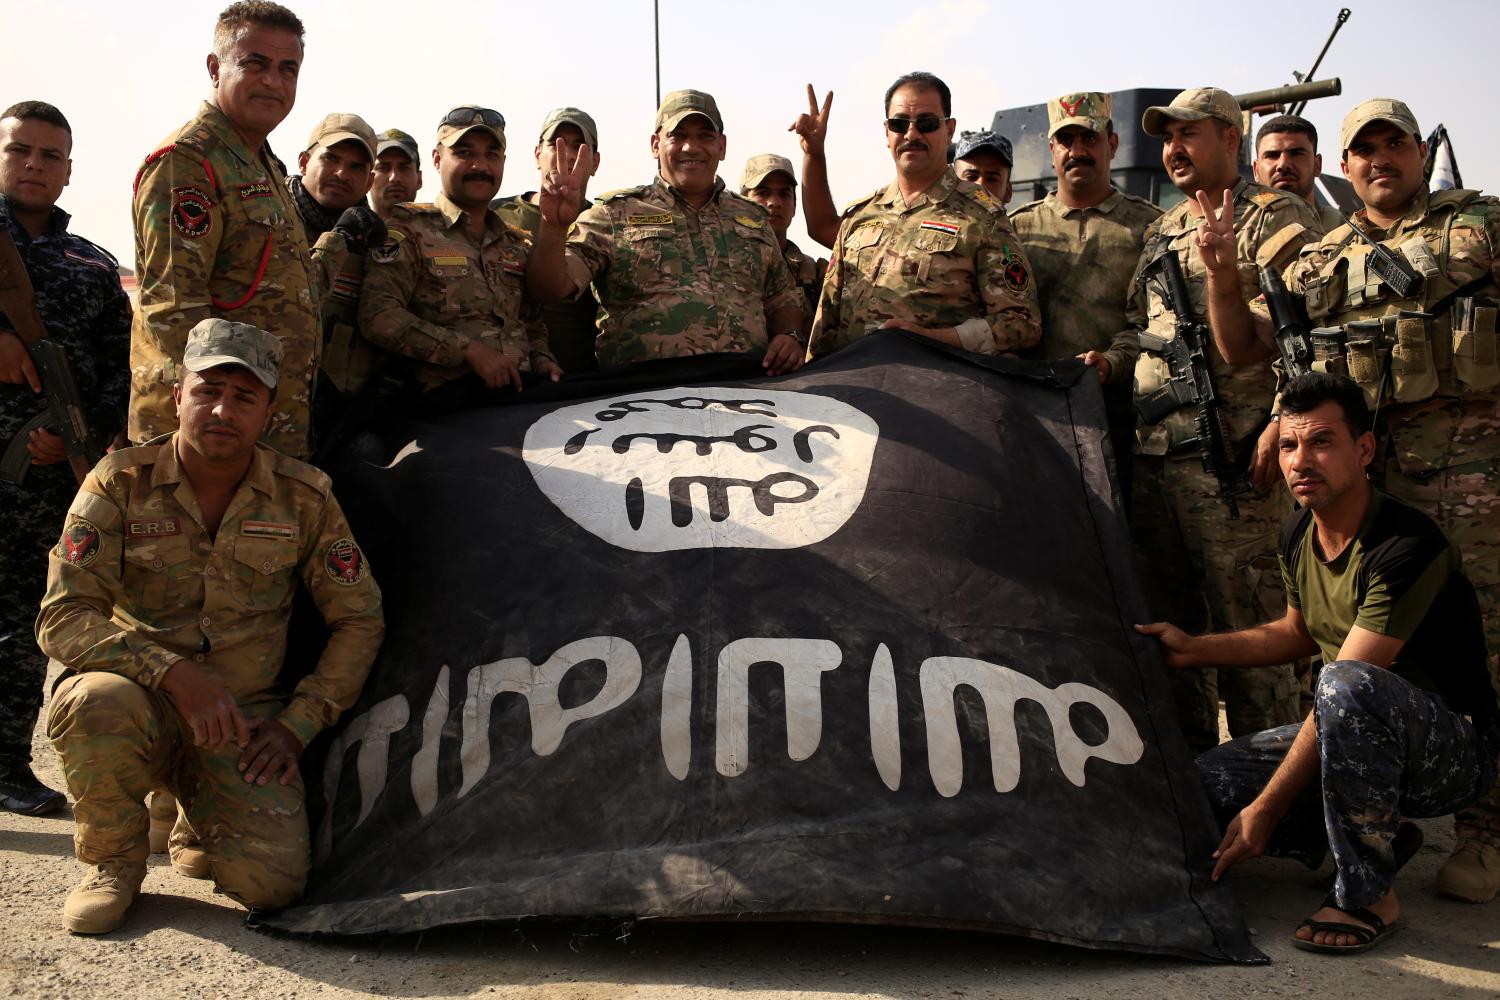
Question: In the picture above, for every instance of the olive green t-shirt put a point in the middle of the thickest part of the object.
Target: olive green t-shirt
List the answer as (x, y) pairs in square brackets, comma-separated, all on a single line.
[(571, 324), (1400, 577)]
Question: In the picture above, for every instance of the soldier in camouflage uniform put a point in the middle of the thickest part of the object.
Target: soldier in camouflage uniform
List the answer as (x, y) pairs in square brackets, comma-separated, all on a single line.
[(572, 324), (167, 602), (448, 288), (768, 181), (1287, 159), (929, 253), (397, 176), (217, 232), (80, 301), (1405, 722), (1428, 361), (680, 266), (1084, 241), (986, 158), (1199, 565)]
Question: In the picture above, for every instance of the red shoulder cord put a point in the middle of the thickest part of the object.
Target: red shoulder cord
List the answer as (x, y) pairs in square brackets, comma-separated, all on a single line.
[(260, 272)]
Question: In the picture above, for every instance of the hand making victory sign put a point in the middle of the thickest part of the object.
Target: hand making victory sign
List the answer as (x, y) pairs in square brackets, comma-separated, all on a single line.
[(812, 127), (1215, 238), (561, 194)]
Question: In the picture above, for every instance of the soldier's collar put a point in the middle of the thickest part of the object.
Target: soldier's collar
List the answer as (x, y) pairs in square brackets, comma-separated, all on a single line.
[(671, 193), (1105, 207), (57, 222), (217, 122), (938, 192), (453, 215), (168, 469)]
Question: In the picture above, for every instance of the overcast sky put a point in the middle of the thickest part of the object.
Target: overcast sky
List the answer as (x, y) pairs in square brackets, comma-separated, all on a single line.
[(129, 75)]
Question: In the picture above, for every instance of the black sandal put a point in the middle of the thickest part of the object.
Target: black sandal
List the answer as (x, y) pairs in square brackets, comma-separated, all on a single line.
[(1365, 938)]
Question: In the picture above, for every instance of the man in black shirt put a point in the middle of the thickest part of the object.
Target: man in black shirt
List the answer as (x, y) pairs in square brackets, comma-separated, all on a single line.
[(1405, 720)]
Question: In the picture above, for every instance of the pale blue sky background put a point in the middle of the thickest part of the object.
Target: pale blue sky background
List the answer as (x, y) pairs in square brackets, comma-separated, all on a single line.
[(127, 75)]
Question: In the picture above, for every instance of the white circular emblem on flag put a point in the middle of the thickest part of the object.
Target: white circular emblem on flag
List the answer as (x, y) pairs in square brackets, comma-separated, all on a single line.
[(689, 468)]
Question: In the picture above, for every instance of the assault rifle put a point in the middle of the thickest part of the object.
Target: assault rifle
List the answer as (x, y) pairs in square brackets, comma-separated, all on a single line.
[(1191, 382), (64, 412)]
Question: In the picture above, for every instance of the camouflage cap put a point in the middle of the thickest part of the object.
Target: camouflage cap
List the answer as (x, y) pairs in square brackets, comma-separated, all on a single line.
[(971, 142), (681, 104), (394, 138), (1377, 109), (1193, 105), (466, 118), (217, 341), (558, 117), (342, 127), (1088, 109), (758, 168)]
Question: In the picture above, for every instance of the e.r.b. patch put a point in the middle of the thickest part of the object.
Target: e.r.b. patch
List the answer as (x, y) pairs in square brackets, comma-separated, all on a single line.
[(345, 562), (80, 543), (191, 212), (1017, 276)]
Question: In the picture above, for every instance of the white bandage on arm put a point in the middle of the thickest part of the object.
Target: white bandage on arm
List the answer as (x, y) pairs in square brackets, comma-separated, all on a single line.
[(975, 335)]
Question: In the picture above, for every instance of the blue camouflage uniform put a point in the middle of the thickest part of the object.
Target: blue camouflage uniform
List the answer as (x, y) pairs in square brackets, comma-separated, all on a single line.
[(1421, 738), (85, 310)]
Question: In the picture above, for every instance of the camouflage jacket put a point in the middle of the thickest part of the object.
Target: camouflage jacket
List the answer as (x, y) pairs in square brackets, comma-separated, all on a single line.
[(137, 583), (673, 280), (949, 256), (571, 324), (79, 298), (217, 234), (1270, 227), (807, 274), (1439, 342), (1082, 260), (430, 290)]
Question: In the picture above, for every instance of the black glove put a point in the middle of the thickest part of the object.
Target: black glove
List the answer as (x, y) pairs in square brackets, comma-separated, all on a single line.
[(361, 229)]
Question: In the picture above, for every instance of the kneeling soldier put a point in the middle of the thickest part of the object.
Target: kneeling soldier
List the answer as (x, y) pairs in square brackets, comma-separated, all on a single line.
[(168, 598)]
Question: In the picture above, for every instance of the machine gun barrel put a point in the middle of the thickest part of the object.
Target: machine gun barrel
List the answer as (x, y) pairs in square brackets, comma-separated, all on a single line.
[(1290, 94)]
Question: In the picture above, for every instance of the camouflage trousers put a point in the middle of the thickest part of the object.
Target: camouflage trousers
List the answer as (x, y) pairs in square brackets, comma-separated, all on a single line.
[(33, 519), (1205, 572), (1465, 502), (118, 741), (1386, 750)]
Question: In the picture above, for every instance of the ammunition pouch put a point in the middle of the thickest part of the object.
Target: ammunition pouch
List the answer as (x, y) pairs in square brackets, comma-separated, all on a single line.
[(1475, 365)]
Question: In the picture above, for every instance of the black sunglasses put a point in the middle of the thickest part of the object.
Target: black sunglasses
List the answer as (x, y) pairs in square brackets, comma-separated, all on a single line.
[(467, 116), (924, 123)]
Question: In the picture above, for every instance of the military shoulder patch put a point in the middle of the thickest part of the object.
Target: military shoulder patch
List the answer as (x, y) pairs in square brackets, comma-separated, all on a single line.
[(79, 258), (79, 545), (345, 562), (748, 222), (1016, 275), (192, 212), (619, 193), (1264, 198), (390, 249)]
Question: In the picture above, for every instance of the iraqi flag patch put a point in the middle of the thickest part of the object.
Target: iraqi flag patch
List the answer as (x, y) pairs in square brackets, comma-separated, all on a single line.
[(941, 227)]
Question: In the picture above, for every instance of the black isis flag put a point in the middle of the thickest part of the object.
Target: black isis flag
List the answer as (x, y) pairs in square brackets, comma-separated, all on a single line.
[(849, 644)]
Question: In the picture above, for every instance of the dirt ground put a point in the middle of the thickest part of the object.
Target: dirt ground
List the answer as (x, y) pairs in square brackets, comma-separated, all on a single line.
[(182, 940)]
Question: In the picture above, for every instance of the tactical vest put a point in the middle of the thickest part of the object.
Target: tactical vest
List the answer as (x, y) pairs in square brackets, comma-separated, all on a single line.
[(347, 359), (1440, 340)]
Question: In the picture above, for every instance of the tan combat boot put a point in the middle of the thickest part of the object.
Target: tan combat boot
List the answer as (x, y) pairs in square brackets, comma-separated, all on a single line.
[(1472, 871), (188, 855), (98, 904), (163, 815)]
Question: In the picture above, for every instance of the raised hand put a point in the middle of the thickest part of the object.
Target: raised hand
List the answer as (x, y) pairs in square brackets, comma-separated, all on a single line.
[(1215, 237), (561, 194), (812, 127)]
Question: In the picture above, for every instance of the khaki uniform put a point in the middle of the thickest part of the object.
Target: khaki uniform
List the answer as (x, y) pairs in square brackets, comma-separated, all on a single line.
[(430, 290), (571, 324), (807, 274), (1200, 568), (1436, 381), (217, 234), (1082, 260), (673, 280), (1331, 217), (137, 584), (949, 256)]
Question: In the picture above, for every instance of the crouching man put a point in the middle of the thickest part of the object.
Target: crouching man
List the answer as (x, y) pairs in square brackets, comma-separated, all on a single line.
[(168, 598), (1405, 718)]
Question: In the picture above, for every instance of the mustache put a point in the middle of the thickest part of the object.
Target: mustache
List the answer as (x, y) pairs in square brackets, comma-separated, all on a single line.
[(914, 144), (1077, 161), (1181, 160), (479, 175)]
